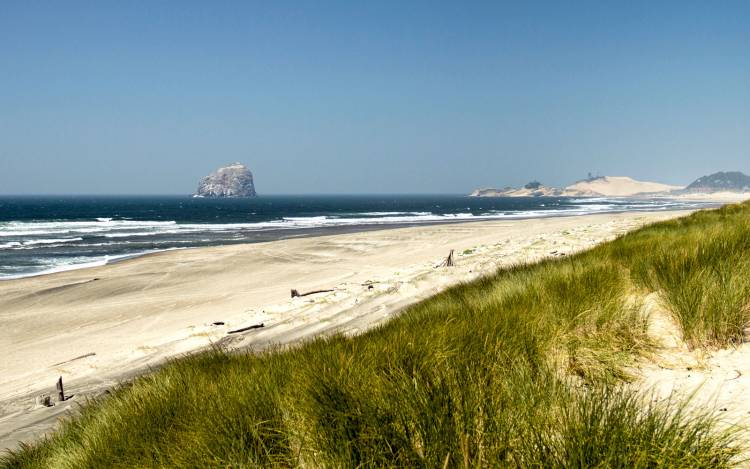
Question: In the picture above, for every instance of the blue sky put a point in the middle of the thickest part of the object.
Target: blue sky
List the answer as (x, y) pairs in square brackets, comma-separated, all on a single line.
[(374, 97)]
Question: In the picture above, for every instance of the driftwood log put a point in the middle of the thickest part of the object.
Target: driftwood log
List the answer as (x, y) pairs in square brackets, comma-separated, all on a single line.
[(295, 293), (243, 329), (76, 358)]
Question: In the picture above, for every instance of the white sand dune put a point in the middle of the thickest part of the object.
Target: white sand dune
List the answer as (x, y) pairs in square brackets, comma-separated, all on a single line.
[(618, 186)]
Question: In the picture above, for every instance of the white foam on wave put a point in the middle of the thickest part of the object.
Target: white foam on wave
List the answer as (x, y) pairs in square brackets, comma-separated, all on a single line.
[(383, 214), (587, 200), (83, 263), (62, 267), (31, 228), (323, 221), (144, 233), (126, 229), (34, 242), (11, 244), (51, 241)]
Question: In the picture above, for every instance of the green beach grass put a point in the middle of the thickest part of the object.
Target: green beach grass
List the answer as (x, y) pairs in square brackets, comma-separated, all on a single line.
[(526, 368)]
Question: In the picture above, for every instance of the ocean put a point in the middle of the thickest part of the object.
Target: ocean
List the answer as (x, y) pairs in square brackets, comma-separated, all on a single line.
[(45, 234)]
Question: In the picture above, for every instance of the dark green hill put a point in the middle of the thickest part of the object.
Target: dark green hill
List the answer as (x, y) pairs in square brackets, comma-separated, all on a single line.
[(734, 181)]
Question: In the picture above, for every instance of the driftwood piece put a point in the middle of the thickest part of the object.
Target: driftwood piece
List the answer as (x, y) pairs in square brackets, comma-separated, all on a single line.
[(76, 358), (448, 262), (60, 391), (295, 293), (243, 329)]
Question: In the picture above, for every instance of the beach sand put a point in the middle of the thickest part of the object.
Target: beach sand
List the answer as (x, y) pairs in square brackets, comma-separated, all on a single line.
[(99, 326), (713, 381)]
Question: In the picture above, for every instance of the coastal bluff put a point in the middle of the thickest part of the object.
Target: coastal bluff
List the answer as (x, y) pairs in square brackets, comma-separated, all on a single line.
[(234, 180)]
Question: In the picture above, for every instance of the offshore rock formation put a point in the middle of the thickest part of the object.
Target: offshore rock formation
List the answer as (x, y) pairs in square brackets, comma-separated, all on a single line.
[(234, 180)]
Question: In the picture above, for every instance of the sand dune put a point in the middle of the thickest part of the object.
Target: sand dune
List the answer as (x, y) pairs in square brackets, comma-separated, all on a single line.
[(618, 186), (96, 327)]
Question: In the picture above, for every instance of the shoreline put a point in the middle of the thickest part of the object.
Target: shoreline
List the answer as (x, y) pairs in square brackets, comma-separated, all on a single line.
[(99, 326), (284, 234)]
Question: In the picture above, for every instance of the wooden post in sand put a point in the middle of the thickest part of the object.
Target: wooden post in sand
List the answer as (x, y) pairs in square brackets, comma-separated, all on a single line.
[(60, 392), (448, 262)]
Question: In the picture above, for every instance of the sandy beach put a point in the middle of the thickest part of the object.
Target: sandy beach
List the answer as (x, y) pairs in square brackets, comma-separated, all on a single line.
[(99, 326)]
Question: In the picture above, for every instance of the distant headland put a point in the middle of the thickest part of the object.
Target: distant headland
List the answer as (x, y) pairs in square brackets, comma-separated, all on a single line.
[(623, 186)]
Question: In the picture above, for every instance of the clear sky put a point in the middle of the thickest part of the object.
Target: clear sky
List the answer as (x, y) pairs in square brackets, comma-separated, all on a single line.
[(349, 97)]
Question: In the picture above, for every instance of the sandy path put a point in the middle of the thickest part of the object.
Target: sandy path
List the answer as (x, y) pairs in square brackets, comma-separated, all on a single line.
[(714, 381), (95, 327)]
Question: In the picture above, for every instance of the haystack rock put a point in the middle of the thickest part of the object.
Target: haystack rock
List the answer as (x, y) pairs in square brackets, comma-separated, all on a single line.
[(234, 180)]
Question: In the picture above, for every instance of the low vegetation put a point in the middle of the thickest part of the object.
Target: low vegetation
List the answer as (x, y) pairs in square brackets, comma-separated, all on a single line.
[(527, 367), (700, 266)]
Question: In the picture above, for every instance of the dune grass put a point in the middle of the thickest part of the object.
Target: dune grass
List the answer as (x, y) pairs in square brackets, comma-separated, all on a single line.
[(700, 265), (525, 368)]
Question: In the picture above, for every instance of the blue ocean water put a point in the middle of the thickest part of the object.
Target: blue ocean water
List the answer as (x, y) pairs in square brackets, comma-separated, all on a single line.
[(43, 234)]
